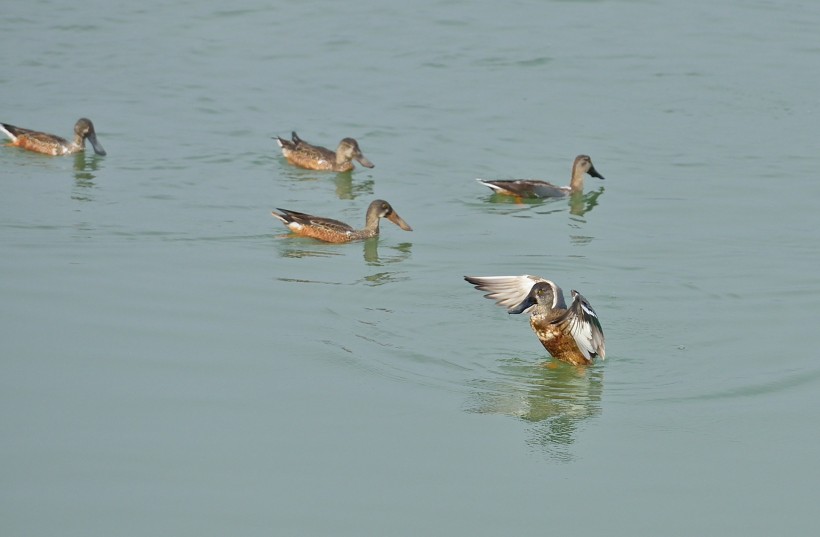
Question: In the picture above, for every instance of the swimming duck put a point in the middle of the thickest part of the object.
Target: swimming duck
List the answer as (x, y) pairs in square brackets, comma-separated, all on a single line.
[(572, 335), (329, 230), (313, 157), (533, 188), (51, 144)]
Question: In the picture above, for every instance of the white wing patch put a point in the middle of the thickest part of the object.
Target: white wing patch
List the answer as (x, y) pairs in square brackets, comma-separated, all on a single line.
[(507, 291), (582, 334), (486, 182), (588, 310), (585, 331), (8, 133)]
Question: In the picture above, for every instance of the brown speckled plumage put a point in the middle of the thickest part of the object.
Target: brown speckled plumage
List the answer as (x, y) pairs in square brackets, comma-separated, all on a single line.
[(571, 334), (330, 230), (51, 144), (313, 157)]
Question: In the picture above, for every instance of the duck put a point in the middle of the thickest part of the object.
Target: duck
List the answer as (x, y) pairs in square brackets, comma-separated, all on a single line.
[(570, 334), (330, 230), (533, 188), (313, 157), (51, 144)]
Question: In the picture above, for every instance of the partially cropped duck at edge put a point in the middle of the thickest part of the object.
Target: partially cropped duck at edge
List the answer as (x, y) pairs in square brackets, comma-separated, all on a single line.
[(313, 157), (51, 144), (571, 334), (329, 230), (533, 188)]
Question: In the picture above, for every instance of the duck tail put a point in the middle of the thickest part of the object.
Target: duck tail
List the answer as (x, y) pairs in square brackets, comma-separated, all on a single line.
[(9, 130)]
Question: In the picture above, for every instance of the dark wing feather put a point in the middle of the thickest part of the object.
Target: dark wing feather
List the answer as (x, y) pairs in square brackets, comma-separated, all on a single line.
[(316, 221)]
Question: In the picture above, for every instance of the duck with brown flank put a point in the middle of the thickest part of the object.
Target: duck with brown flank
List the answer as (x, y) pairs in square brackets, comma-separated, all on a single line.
[(329, 230), (313, 157), (571, 334), (51, 144)]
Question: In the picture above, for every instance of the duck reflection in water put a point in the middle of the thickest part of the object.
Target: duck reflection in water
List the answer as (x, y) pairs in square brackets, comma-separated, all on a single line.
[(84, 174), (345, 187), (346, 190), (370, 252), (583, 202), (372, 257), (556, 400)]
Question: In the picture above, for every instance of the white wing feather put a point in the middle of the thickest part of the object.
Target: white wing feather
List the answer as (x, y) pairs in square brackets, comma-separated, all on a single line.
[(507, 291), (587, 335)]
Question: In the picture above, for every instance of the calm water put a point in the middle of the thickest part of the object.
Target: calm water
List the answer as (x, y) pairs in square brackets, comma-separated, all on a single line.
[(171, 363)]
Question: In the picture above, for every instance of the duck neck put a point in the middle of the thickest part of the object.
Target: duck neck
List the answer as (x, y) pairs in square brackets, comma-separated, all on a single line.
[(78, 144), (541, 310), (577, 182), (371, 223), (342, 156)]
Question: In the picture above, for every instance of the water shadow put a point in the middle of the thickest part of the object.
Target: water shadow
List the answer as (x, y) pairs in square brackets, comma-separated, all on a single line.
[(381, 278), (398, 254), (297, 247), (372, 257), (345, 187), (520, 207), (300, 247), (579, 203), (503, 199), (583, 202), (294, 246), (85, 171), (556, 398)]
